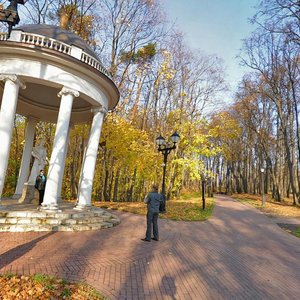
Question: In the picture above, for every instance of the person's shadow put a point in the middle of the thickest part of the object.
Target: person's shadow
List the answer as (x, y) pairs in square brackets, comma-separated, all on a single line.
[(13, 254), (169, 286)]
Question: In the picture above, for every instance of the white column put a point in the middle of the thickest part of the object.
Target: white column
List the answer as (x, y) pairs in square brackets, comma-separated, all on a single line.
[(61, 174), (7, 115), (89, 161), (25, 163), (59, 147)]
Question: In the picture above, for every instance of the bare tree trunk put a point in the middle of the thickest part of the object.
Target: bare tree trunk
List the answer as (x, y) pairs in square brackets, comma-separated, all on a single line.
[(116, 185), (132, 185)]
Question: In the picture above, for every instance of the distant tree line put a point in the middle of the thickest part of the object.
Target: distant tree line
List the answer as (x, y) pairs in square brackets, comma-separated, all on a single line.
[(266, 107)]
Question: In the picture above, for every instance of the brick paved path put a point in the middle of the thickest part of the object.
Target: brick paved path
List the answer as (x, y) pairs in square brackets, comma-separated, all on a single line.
[(238, 254)]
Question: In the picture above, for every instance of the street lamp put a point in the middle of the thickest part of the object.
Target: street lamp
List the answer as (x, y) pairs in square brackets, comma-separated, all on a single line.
[(10, 14), (165, 148), (203, 181), (263, 199)]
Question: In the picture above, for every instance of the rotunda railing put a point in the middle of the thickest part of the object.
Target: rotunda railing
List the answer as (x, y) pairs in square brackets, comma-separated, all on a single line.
[(45, 42), (42, 41)]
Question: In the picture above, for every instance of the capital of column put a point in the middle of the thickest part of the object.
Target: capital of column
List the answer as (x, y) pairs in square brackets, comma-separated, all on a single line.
[(65, 90), (99, 109), (14, 78)]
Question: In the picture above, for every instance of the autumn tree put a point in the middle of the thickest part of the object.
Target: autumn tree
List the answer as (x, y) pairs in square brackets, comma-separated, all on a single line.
[(126, 27), (164, 87), (272, 53), (280, 17)]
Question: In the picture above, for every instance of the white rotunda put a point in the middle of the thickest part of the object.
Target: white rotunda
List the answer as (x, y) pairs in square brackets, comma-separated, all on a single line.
[(50, 74)]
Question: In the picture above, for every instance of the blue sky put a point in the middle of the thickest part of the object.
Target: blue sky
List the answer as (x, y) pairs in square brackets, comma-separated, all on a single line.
[(215, 27)]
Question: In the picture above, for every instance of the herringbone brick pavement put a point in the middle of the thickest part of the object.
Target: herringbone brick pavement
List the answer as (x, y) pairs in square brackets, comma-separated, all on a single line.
[(238, 254)]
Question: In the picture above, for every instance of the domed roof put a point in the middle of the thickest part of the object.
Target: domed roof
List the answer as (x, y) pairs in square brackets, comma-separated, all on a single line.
[(59, 34)]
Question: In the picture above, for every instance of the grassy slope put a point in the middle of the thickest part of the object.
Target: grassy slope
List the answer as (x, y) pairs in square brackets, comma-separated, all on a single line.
[(186, 208)]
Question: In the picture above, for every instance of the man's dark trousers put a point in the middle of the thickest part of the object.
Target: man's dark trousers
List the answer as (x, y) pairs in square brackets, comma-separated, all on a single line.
[(152, 219)]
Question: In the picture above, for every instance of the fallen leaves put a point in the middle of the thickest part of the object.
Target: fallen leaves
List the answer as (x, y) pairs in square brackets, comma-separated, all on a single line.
[(277, 209), (42, 287), (184, 209)]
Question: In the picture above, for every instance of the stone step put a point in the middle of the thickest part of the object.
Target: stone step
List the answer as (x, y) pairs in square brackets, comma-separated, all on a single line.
[(53, 221), (48, 227), (44, 214), (69, 220)]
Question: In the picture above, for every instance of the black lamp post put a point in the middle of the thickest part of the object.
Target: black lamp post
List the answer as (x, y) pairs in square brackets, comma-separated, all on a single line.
[(10, 14), (263, 199), (165, 148), (203, 181)]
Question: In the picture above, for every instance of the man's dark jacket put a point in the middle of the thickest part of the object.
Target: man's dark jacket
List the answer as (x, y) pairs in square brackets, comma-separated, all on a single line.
[(40, 183), (153, 200)]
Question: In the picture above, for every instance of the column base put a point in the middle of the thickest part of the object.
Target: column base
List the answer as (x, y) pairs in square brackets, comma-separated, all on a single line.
[(16, 196), (59, 199), (50, 207), (82, 207)]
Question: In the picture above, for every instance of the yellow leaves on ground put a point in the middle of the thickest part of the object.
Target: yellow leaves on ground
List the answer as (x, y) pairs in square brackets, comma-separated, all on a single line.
[(189, 209), (184, 210), (278, 209), (42, 287), (133, 207), (21, 287)]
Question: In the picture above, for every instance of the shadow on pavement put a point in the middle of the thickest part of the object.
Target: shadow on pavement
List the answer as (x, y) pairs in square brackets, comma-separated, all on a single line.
[(17, 252)]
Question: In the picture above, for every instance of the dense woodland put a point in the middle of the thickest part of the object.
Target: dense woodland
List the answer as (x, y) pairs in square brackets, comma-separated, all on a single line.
[(165, 86)]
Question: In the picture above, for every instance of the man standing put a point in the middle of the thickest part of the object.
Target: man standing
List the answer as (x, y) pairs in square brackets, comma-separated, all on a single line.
[(153, 200), (40, 184)]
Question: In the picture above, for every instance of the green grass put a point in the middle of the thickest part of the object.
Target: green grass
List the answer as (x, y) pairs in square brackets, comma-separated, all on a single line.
[(8, 275), (296, 232), (66, 293), (43, 279), (190, 195)]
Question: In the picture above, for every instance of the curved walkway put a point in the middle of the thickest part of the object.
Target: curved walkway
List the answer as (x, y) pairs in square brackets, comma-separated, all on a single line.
[(238, 254)]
